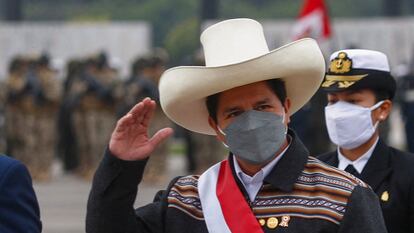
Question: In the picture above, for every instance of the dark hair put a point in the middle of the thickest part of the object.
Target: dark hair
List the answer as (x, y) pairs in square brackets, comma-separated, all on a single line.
[(381, 94), (16, 64), (276, 85), (138, 65), (43, 60), (155, 61)]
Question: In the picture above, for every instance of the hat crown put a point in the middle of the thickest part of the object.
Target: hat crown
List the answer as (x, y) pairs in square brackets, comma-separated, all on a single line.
[(364, 59), (233, 41)]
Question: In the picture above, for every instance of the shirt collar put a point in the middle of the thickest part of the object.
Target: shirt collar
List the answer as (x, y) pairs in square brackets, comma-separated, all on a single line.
[(359, 163), (285, 173), (260, 175)]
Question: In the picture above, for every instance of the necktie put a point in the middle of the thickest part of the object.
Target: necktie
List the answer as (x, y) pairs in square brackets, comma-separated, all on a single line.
[(351, 169)]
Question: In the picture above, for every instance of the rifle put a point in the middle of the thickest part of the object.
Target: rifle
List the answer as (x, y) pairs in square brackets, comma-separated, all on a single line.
[(33, 86), (104, 93)]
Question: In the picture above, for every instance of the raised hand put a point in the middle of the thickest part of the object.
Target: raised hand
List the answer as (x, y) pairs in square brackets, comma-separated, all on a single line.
[(130, 141)]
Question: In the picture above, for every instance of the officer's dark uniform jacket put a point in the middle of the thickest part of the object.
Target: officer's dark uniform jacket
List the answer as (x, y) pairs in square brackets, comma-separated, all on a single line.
[(390, 173), (316, 198)]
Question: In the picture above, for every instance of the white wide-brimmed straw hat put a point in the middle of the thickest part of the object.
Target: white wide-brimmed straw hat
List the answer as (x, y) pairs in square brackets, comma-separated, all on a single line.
[(236, 54)]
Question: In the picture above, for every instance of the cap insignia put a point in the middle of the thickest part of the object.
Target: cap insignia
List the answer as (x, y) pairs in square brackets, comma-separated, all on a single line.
[(341, 64), (342, 80)]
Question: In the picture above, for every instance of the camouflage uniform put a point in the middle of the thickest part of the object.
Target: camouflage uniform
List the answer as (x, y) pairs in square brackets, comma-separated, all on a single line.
[(94, 116), (67, 147), (33, 99)]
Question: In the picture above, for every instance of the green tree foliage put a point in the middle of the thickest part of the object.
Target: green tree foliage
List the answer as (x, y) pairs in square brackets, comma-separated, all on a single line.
[(163, 14), (182, 41)]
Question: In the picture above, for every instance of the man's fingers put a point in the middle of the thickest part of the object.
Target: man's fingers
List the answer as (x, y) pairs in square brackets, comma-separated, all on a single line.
[(136, 115), (141, 110), (161, 135), (149, 114), (137, 108), (122, 123), (140, 118)]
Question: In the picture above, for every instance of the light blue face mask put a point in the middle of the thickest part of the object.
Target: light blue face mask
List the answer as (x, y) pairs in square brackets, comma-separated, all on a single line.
[(255, 136)]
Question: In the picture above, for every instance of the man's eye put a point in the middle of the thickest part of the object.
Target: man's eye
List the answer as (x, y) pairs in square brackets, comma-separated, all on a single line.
[(234, 114), (262, 107)]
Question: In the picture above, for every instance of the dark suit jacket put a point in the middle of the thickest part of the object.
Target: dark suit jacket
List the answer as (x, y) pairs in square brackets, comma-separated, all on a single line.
[(19, 210), (318, 199), (389, 170)]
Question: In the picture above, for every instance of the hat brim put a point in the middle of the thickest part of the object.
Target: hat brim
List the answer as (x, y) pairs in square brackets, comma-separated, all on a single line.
[(370, 79), (183, 90)]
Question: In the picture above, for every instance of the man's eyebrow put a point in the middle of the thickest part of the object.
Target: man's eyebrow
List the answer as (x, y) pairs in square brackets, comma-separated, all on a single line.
[(263, 101)]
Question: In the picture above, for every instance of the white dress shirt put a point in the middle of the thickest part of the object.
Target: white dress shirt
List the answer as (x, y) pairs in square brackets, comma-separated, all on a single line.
[(252, 184), (358, 164)]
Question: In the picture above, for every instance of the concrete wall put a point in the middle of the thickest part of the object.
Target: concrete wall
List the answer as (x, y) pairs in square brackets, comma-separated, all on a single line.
[(125, 41)]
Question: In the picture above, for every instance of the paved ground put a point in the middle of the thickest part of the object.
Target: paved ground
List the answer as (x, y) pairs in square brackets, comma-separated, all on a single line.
[(63, 200)]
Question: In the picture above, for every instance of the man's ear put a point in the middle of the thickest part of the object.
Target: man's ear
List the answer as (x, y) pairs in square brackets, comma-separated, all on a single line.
[(287, 104), (213, 125)]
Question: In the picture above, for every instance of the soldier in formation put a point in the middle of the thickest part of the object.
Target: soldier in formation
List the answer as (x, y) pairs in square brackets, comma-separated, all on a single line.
[(33, 96), (92, 91), (143, 82)]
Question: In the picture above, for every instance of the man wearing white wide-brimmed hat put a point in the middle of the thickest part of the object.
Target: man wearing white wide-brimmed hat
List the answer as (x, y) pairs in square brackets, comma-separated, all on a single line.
[(244, 96)]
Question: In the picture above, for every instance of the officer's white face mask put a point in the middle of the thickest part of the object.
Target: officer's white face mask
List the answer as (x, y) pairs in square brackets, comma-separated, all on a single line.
[(349, 125)]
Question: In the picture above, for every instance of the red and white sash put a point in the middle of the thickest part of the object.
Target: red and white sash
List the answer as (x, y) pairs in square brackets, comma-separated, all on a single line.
[(224, 207)]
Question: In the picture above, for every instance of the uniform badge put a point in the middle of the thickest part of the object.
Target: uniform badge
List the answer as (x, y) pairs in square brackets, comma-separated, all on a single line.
[(272, 223), (285, 221), (341, 64), (385, 196), (345, 84), (262, 222)]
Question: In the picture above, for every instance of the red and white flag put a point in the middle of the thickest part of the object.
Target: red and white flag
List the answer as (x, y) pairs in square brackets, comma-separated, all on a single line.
[(313, 21)]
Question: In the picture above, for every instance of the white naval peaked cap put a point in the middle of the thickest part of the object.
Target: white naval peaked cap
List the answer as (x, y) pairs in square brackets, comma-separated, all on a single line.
[(365, 59)]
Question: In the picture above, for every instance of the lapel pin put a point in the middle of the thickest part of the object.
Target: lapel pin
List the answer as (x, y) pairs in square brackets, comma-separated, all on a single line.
[(262, 222), (272, 222), (385, 196), (285, 221)]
